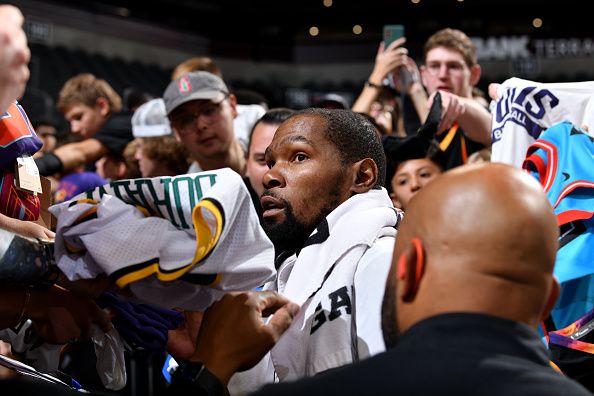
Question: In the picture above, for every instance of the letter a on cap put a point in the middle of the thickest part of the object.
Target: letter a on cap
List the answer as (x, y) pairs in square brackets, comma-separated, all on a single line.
[(183, 85)]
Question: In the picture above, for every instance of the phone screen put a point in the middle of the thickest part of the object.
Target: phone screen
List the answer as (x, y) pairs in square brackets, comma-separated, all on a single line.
[(391, 33)]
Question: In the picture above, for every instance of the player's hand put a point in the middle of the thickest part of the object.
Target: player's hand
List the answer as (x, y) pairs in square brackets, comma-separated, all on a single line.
[(181, 342), (234, 335)]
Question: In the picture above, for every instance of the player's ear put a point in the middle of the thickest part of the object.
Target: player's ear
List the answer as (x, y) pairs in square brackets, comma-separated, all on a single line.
[(365, 173), (475, 74)]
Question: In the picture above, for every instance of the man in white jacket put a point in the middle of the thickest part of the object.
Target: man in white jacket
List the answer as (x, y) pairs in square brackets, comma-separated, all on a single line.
[(333, 226)]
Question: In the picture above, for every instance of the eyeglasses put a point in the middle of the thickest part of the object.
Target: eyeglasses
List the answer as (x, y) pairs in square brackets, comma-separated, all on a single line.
[(455, 68), (185, 122)]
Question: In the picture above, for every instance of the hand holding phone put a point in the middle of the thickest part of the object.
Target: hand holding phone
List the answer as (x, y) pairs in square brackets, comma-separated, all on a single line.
[(391, 33)]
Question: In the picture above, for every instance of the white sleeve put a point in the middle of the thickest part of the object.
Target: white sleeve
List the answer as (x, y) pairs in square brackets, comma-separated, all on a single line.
[(370, 283)]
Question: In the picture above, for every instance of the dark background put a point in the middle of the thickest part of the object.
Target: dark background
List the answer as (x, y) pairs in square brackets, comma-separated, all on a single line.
[(267, 33), (267, 29)]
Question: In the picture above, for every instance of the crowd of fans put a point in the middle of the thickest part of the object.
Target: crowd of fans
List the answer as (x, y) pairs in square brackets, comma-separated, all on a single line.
[(255, 250)]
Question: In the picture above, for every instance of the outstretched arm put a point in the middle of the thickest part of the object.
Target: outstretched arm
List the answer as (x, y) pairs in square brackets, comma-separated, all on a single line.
[(476, 122), (473, 118), (70, 156), (26, 228)]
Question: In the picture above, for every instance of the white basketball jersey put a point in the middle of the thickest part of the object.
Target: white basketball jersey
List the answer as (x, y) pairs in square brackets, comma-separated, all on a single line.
[(179, 241), (526, 108)]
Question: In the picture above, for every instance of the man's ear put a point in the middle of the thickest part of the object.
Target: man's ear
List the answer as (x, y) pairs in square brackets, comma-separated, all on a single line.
[(411, 268), (553, 295), (233, 103), (475, 75), (365, 175), (103, 105)]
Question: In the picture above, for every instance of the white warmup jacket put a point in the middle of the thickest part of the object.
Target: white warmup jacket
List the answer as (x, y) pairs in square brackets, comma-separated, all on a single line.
[(338, 279)]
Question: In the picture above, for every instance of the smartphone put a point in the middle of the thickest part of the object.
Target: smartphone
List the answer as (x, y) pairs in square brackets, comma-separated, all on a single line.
[(391, 33)]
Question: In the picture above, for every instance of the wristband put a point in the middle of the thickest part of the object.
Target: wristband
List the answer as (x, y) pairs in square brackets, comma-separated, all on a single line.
[(196, 375), (48, 164), (372, 85)]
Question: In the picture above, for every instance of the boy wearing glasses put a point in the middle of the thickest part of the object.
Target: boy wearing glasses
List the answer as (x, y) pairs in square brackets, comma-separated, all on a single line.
[(451, 68), (201, 111)]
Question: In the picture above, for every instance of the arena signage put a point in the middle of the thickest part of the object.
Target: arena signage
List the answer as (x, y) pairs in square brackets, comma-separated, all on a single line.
[(510, 47)]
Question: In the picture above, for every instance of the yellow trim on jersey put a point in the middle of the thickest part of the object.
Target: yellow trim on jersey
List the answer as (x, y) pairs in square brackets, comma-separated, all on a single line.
[(217, 280), (84, 217), (73, 249), (138, 275), (143, 210), (206, 242), (86, 201), (445, 143), (204, 238), (80, 219)]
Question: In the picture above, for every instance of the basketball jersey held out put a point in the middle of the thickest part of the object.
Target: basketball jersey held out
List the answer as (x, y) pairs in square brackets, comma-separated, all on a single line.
[(179, 241), (526, 108)]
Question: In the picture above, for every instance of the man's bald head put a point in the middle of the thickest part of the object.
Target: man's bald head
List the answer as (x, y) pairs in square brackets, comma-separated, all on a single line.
[(489, 240)]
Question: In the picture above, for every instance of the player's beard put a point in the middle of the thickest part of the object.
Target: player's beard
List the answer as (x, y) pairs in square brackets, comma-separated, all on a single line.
[(291, 234)]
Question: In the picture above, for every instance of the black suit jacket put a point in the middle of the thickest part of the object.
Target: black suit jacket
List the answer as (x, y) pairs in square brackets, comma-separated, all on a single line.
[(453, 354)]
